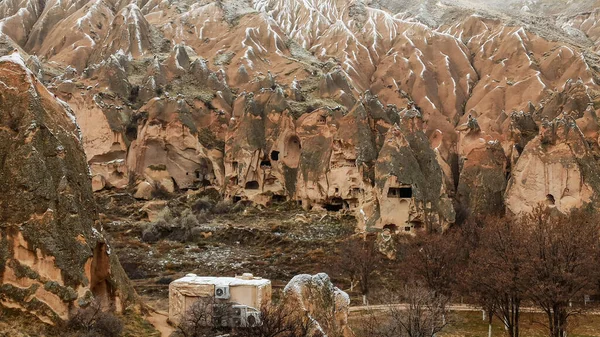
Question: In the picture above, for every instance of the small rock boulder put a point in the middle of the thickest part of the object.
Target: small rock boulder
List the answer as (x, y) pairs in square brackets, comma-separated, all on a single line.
[(144, 191), (326, 305), (98, 183), (153, 209)]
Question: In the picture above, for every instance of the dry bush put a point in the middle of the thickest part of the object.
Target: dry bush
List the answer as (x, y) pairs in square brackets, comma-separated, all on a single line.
[(205, 319), (278, 320), (358, 260), (93, 321), (168, 227), (203, 204), (201, 320), (422, 314)]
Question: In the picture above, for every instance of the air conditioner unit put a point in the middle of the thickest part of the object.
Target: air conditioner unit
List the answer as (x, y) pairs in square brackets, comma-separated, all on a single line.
[(253, 319), (244, 316), (222, 292)]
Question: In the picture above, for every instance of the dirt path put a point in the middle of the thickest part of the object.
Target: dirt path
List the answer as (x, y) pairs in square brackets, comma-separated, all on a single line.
[(454, 307), (159, 320)]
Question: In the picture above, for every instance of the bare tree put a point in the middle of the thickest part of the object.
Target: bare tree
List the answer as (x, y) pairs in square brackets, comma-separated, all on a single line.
[(358, 260), (422, 315), (563, 252), (93, 321), (204, 318), (434, 260), (469, 240), (278, 320), (497, 271)]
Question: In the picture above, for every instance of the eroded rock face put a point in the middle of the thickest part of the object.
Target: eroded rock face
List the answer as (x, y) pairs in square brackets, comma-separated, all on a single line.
[(53, 256), (407, 177), (283, 100), (483, 169), (325, 305), (555, 168)]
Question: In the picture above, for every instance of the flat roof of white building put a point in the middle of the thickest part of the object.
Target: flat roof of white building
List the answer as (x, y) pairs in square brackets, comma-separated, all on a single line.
[(244, 280)]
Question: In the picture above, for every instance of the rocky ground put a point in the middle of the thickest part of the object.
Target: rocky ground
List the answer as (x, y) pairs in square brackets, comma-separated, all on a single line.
[(275, 242)]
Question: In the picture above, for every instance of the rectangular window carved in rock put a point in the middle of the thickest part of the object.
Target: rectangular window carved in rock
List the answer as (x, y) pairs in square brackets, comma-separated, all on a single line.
[(400, 192)]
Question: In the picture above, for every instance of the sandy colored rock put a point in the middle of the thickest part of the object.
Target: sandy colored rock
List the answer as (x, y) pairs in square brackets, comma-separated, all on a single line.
[(53, 257), (316, 297), (98, 183), (144, 191), (276, 100), (154, 208), (553, 169)]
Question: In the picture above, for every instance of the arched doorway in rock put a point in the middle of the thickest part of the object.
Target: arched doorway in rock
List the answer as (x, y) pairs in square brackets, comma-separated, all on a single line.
[(292, 152), (550, 199)]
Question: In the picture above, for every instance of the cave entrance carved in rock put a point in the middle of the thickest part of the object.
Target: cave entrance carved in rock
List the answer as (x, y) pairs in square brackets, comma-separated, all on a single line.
[(292, 152), (252, 185), (404, 192)]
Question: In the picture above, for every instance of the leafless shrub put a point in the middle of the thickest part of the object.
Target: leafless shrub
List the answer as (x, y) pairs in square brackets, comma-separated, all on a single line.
[(202, 319), (422, 314), (278, 320), (168, 227), (93, 321), (358, 260)]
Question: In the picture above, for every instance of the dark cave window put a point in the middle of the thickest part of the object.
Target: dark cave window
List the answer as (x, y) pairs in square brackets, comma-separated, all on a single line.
[(416, 225), (278, 198), (335, 205), (265, 163), (275, 155), (400, 192), (252, 185), (551, 199)]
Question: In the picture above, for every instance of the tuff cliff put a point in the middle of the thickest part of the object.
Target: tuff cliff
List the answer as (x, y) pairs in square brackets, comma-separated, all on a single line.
[(53, 255), (401, 113)]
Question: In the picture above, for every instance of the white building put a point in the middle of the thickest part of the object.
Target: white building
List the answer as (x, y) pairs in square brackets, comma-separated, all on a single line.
[(245, 290)]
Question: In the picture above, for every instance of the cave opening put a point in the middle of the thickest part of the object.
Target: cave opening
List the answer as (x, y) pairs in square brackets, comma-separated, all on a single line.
[(336, 205), (400, 192), (278, 198), (393, 228), (416, 225), (293, 149), (275, 155), (252, 185), (265, 163)]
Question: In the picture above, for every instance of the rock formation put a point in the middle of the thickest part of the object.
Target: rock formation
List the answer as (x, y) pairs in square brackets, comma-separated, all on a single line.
[(353, 106), (53, 255), (556, 168), (325, 305)]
